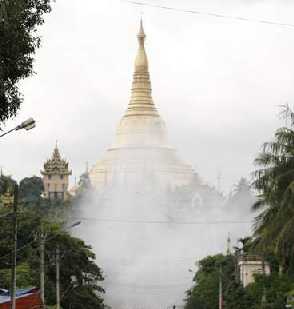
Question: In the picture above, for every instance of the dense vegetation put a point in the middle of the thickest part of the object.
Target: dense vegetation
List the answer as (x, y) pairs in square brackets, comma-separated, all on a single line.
[(80, 276), (18, 43), (274, 230), (265, 293), (273, 237)]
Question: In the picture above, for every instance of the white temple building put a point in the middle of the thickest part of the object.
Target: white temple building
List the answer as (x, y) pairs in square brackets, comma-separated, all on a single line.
[(141, 147)]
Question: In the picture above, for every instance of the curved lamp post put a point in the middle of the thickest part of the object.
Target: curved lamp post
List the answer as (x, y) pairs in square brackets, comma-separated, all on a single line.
[(27, 125)]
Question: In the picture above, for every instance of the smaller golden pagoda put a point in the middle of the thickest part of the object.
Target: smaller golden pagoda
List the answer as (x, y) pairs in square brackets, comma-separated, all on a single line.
[(7, 199)]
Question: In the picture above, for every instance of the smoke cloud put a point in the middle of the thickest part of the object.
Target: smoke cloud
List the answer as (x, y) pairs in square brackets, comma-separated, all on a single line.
[(147, 240)]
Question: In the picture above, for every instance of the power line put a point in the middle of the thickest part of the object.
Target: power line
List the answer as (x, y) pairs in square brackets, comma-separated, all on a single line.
[(146, 286), (210, 14), (29, 244), (218, 222), (18, 250)]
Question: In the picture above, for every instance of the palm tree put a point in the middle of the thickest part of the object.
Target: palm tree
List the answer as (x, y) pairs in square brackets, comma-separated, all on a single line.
[(274, 180)]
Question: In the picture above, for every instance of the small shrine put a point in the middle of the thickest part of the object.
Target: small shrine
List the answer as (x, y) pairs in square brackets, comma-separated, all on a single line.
[(56, 177)]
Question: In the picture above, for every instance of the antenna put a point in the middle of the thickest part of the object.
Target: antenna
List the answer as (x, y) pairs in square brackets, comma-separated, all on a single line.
[(229, 244)]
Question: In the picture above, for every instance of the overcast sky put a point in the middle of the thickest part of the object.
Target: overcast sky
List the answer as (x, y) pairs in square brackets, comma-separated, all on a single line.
[(217, 82)]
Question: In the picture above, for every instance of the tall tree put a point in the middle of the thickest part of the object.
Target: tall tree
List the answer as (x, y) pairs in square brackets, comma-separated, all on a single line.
[(274, 180), (241, 199), (205, 292), (30, 190), (18, 42), (267, 292)]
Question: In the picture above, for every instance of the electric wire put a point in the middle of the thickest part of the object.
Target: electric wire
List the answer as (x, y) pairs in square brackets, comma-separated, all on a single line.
[(210, 14), (216, 222), (27, 245), (127, 221)]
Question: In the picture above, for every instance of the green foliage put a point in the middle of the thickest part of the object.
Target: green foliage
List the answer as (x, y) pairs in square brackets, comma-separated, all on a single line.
[(23, 276), (19, 41), (273, 289), (76, 258), (274, 181), (6, 183), (30, 190), (265, 292), (206, 288)]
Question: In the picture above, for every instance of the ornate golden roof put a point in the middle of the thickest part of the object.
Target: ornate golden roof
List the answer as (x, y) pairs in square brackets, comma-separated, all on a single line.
[(141, 102), (7, 198), (56, 165)]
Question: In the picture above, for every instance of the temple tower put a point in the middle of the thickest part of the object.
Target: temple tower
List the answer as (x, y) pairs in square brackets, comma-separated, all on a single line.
[(141, 150), (55, 177)]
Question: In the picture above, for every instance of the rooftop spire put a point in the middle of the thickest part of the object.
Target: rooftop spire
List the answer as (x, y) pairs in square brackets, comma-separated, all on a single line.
[(141, 35), (56, 154), (141, 102), (229, 244), (56, 165)]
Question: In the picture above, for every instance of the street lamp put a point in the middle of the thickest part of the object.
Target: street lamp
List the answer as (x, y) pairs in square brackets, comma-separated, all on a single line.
[(27, 125), (73, 225)]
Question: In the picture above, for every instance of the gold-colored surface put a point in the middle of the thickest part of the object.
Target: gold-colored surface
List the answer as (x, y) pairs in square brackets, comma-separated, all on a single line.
[(7, 199), (141, 146), (141, 102)]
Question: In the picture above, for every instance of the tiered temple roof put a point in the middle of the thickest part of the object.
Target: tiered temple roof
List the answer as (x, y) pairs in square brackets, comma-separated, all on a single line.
[(56, 165), (141, 102)]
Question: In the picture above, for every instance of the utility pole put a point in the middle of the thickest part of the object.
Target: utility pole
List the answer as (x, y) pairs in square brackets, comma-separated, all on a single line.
[(220, 300), (57, 278), (229, 245), (14, 250), (58, 298), (263, 298), (42, 264)]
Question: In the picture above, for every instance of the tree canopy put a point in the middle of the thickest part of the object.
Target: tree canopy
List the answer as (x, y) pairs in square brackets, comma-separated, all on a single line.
[(266, 292), (19, 40), (80, 276), (274, 180)]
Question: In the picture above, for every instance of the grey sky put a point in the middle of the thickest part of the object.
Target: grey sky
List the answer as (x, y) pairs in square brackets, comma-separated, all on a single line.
[(217, 82)]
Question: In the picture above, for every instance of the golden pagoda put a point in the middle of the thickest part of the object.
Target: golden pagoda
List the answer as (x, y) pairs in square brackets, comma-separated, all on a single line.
[(141, 149), (7, 199)]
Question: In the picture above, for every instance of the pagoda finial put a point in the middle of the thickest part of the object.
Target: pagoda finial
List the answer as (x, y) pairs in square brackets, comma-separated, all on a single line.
[(141, 35), (56, 154), (141, 102)]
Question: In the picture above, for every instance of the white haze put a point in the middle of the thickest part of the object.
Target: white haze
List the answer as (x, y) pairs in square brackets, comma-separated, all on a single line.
[(146, 247)]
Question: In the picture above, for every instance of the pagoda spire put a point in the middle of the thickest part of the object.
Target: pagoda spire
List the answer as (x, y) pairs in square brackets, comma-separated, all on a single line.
[(141, 102), (56, 154)]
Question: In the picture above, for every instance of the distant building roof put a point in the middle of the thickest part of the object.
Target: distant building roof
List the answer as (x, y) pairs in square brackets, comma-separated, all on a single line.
[(56, 165), (25, 298)]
